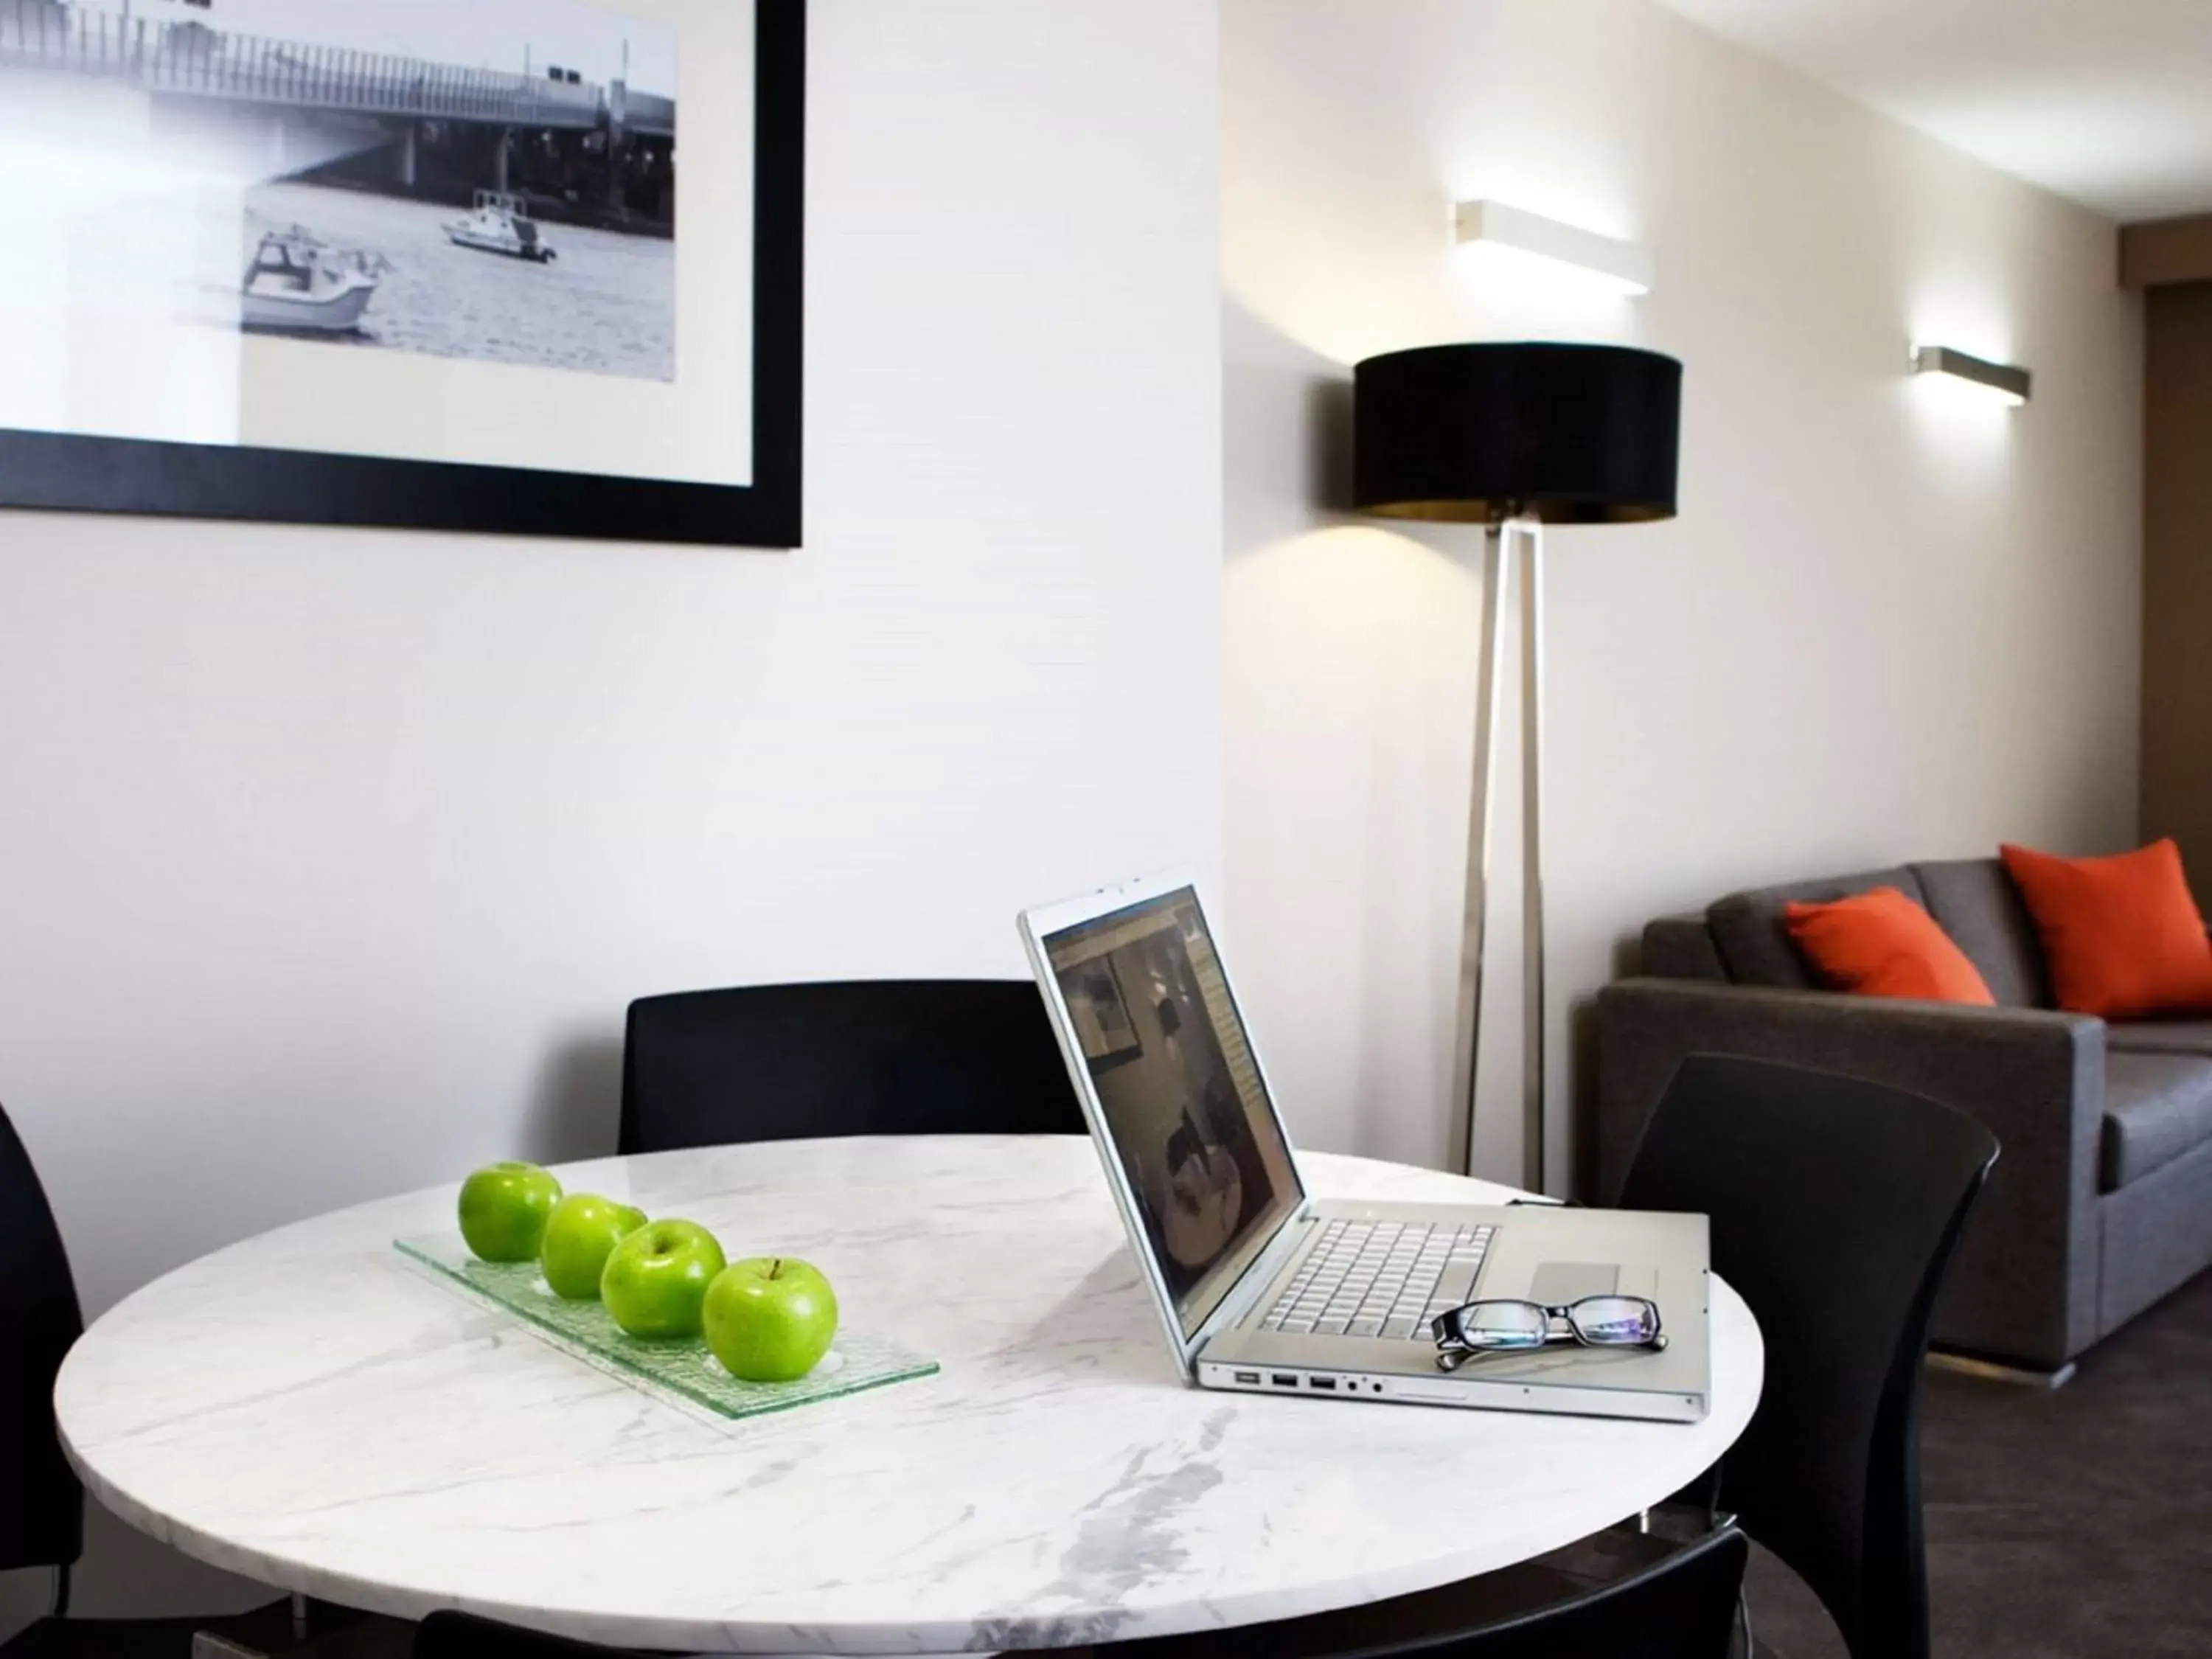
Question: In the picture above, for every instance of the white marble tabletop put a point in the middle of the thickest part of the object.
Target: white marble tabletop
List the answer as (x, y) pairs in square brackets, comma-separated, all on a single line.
[(308, 1409)]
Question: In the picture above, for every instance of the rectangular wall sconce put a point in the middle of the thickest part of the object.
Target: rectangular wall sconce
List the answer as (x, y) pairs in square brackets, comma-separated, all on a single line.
[(1625, 267), (2004, 380)]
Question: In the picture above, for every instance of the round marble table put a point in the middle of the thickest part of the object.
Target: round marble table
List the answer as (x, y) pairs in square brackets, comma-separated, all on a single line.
[(310, 1410)]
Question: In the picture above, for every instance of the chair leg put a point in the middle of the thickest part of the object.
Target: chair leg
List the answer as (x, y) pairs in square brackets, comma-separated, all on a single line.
[(62, 1590), (1743, 1620)]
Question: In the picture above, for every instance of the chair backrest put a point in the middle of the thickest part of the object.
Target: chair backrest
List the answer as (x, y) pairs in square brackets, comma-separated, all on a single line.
[(1835, 1205), (1682, 1607), (883, 1057), (41, 1505), (465, 1636)]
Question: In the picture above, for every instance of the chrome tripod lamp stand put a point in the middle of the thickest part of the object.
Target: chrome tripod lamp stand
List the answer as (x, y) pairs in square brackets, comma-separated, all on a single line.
[(1513, 437)]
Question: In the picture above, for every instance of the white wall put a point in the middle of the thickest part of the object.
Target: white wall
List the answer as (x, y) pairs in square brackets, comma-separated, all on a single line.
[(1883, 626), (329, 861)]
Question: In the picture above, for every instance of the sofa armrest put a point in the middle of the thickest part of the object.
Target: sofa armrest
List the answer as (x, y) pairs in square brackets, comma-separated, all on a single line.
[(2023, 1287)]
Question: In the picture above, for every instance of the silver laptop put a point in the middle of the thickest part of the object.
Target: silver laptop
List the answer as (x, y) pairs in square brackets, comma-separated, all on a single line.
[(1262, 1288)]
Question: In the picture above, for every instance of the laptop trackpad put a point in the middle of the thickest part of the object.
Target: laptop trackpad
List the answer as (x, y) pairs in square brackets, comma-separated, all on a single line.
[(1558, 1282)]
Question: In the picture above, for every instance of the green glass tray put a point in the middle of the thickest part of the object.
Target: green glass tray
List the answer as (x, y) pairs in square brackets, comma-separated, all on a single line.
[(682, 1366)]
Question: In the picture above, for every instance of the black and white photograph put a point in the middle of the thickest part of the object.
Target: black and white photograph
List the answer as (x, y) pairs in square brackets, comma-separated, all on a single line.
[(493, 180), (452, 232)]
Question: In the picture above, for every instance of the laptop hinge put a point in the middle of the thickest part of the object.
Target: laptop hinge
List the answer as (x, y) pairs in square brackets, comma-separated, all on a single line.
[(1258, 1274)]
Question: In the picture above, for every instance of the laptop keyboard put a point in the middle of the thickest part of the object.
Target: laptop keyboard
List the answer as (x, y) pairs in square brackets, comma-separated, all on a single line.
[(1386, 1279)]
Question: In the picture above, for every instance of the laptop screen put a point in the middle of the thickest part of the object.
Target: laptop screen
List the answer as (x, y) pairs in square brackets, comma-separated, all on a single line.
[(1184, 1106)]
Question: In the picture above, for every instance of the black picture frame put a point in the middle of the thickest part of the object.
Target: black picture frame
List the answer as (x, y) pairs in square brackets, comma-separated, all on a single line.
[(66, 472)]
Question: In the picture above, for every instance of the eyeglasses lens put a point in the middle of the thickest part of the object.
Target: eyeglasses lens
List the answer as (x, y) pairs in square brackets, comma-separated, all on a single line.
[(1504, 1325), (1614, 1321)]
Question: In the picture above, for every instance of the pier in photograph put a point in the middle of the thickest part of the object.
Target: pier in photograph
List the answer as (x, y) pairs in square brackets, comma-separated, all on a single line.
[(580, 151), (415, 201)]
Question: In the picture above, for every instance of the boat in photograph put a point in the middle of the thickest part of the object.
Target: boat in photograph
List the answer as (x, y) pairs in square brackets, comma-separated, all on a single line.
[(501, 224), (298, 285)]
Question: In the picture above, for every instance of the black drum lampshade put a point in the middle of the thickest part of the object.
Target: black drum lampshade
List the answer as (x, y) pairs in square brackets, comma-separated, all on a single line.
[(1474, 434)]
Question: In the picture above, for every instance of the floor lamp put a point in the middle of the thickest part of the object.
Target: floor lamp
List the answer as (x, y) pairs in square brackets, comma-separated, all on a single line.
[(1513, 437)]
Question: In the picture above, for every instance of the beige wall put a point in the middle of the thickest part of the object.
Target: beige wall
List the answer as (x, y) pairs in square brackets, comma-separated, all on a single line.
[(328, 861), (1887, 624)]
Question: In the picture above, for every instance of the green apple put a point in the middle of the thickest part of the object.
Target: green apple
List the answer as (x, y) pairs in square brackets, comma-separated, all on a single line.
[(503, 1210), (579, 1235), (656, 1280), (770, 1319)]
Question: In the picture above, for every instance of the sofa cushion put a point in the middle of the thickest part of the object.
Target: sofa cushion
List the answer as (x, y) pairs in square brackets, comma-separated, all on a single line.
[(1681, 947), (1975, 902), (2160, 1036), (2122, 935), (2157, 1107), (1883, 945), (1754, 940)]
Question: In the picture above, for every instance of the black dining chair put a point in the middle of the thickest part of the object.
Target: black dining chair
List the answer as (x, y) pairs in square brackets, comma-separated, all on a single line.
[(1836, 1206), (1680, 1605), (863, 1057), (41, 1504), (465, 1636)]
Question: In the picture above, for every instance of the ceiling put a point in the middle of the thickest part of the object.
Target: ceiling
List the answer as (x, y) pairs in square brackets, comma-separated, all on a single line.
[(2106, 101)]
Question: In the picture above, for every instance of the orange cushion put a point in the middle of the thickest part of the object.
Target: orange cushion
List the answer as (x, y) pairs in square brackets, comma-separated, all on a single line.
[(1881, 944), (2122, 935)]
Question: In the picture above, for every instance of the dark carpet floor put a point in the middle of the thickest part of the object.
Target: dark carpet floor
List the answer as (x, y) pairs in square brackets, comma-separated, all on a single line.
[(2069, 1525)]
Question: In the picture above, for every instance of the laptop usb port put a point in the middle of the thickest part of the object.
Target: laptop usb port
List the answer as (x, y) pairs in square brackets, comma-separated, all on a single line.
[(1321, 1381), (1245, 1376), (1283, 1379)]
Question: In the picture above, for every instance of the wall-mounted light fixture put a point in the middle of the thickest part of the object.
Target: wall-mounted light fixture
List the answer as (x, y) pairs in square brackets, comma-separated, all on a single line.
[(2005, 381), (1625, 267)]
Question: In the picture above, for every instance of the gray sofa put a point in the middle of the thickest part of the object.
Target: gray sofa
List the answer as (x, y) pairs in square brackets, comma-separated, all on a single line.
[(2101, 1202)]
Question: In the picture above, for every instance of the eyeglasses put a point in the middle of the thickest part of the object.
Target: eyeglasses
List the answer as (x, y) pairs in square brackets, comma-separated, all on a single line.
[(1596, 1322)]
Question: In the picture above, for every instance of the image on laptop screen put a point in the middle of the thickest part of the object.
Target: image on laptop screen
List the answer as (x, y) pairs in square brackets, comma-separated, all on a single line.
[(1189, 1118)]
